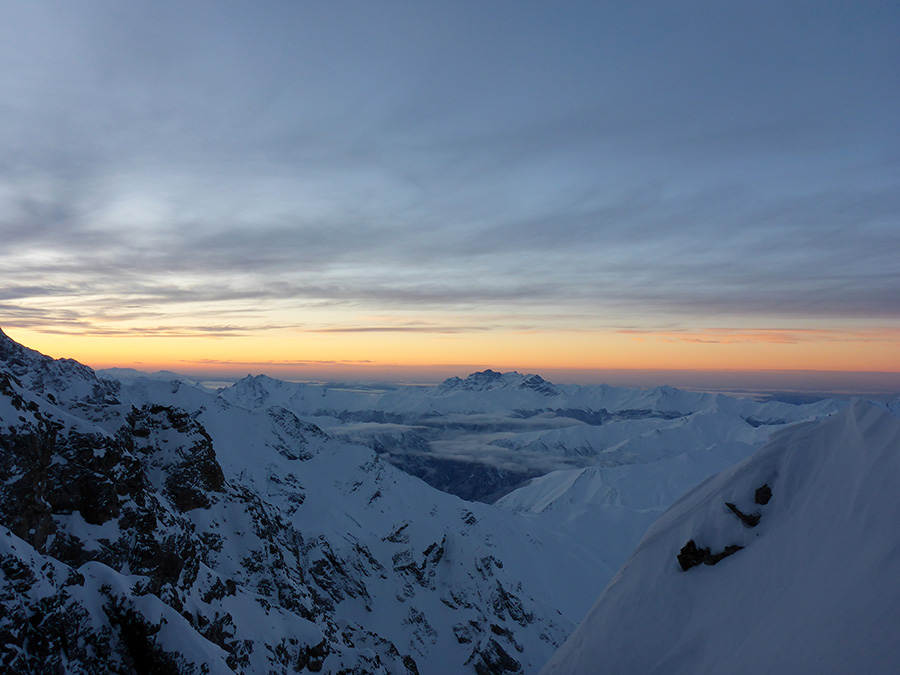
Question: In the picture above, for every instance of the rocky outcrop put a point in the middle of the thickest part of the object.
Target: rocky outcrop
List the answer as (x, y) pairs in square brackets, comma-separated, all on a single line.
[(763, 495), (748, 519), (691, 555), (192, 474)]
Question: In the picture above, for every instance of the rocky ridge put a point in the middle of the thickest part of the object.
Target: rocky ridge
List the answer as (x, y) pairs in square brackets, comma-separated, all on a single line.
[(156, 528)]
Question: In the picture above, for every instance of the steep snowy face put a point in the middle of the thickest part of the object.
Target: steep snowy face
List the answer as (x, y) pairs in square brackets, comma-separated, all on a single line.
[(786, 562)]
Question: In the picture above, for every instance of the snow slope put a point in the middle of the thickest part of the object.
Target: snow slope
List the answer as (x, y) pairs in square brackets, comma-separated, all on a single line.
[(815, 587)]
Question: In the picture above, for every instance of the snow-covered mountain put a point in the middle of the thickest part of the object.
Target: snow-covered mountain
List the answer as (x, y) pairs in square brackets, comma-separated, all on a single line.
[(147, 520), (153, 522), (481, 436), (126, 374), (788, 562)]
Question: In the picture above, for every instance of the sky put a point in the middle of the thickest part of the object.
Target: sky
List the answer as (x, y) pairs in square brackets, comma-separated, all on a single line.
[(413, 189)]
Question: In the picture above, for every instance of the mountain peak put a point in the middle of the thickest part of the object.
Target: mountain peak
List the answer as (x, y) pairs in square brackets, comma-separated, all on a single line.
[(487, 380), (17, 356), (64, 378), (540, 385)]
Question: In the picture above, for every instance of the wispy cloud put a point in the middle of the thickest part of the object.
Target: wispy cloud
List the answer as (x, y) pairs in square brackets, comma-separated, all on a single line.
[(402, 329), (765, 335), (168, 174), (268, 363)]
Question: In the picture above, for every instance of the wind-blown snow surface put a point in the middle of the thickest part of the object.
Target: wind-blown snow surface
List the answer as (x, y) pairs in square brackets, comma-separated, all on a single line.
[(815, 588)]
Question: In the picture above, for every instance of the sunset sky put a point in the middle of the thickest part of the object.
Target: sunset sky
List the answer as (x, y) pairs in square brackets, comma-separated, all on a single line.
[(415, 189)]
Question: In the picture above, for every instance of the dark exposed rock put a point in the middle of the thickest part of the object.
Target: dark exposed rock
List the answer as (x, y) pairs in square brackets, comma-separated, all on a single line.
[(754, 422), (691, 556), (410, 664), (466, 632), (492, 659), (145, 656), (331, 574), (422, 572), (217, 592), (506, 604), (398, 536), (538, 384), (24, 488), (192, 470), (763, 495), (45, 634), (312, 657), (422, 630), (749, 519)]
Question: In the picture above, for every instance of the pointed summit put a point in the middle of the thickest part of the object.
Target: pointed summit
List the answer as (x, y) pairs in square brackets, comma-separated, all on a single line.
[(540, 385)]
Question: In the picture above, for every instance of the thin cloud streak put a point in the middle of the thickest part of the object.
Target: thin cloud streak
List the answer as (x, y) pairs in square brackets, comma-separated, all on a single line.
[(271, 363), (402, 329), (766, 335), (848, 269)]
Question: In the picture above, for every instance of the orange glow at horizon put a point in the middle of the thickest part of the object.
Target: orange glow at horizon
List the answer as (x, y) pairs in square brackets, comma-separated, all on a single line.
[(863, 350)]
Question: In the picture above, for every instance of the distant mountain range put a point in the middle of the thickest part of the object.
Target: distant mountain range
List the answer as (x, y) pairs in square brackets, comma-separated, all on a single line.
[(484, 435), (149, 525)]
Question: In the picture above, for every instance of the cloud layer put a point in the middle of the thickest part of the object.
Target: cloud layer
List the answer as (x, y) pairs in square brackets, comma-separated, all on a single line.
[(222, 169)]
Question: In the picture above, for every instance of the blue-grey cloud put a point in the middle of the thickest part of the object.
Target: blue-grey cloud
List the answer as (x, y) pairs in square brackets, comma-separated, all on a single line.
[(600, 161)]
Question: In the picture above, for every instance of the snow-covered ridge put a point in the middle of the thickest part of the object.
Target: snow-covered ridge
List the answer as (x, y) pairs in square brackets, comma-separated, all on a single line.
[(62, 379), (128, 374), (802, 568)]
